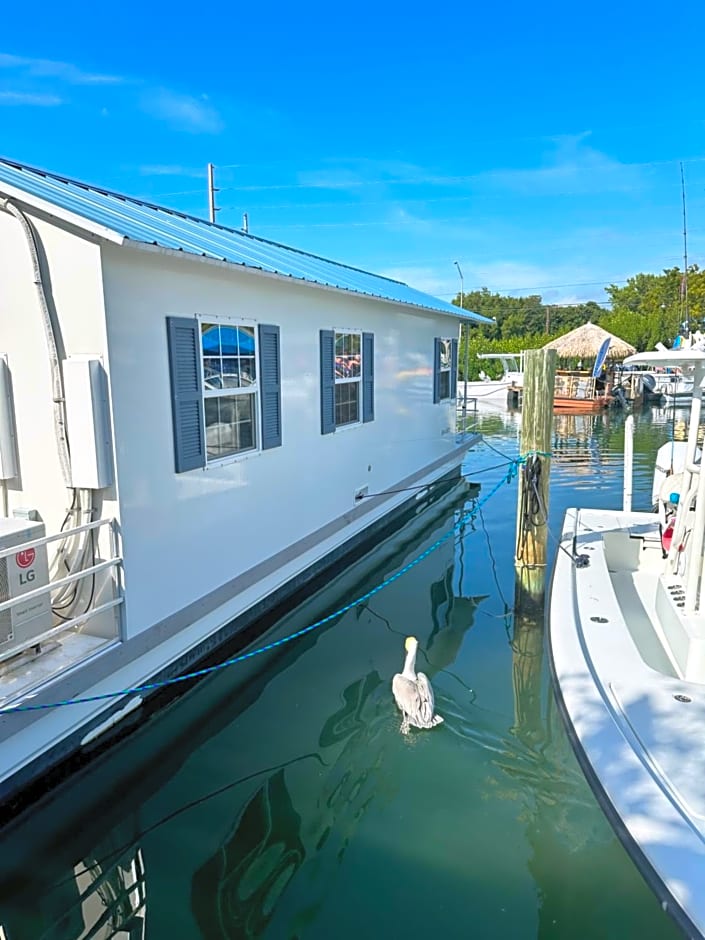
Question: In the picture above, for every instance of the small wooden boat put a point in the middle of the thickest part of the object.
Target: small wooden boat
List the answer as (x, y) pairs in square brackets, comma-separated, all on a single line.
[(579, 392)]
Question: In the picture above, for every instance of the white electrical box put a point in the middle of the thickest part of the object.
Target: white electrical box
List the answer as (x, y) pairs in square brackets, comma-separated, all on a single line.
[(8, 444), (21, 572), (88, 423)]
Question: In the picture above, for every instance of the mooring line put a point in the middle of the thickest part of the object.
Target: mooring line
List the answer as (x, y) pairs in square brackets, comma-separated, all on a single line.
[(513, 467)]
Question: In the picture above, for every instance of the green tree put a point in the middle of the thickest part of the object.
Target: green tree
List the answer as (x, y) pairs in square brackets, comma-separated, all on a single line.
[(651, 308)]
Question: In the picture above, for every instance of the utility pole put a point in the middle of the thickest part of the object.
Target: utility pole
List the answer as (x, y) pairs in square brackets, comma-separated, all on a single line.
[(467, 340), (211, 194), (684, 290)]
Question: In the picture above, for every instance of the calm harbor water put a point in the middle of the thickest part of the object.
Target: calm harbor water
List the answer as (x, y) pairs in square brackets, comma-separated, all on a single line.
[(277, 798)]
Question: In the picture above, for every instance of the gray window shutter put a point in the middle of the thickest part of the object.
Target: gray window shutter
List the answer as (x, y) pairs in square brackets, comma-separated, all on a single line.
[(453, 368), (270, 385), (327, 381), (436, 370), (368, 376), (184, 340)]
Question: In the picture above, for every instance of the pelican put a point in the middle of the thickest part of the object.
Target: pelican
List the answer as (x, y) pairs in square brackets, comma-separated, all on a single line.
[(413, 692)]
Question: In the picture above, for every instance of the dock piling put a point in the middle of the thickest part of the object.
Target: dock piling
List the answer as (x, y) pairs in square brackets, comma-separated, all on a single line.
[(532, 505)]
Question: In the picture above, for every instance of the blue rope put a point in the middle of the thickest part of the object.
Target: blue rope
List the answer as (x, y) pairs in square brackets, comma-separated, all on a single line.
[(198, 673)]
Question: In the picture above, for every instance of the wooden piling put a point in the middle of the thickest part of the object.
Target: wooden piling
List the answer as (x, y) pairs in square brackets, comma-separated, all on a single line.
[(527, 657), (532, 505)]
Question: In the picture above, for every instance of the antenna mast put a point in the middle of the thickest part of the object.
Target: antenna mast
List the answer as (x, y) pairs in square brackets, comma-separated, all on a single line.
[(684, 283), (211, 194)]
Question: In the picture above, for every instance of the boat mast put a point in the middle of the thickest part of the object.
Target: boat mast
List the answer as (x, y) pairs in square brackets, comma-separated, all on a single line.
[(684, 282)]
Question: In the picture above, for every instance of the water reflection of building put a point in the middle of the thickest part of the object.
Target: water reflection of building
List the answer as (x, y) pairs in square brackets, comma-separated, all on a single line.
[(103, 897), (235, 891), (280, 833)]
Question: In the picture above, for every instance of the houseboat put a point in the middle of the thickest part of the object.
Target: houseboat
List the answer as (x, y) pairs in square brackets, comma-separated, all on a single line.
[(194, 422)]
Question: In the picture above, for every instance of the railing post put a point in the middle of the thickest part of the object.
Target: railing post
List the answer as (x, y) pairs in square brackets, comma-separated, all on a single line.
[(628, 463)]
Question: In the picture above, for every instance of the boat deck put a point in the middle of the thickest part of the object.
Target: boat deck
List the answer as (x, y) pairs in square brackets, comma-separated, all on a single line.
[(21, 674), (621, 647)]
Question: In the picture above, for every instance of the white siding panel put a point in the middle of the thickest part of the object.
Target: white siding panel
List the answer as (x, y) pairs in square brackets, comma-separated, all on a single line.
[(240, 513), (72, 269)]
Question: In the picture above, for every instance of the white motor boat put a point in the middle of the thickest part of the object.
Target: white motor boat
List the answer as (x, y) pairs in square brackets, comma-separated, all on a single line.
[(493, 391), (626, 623)]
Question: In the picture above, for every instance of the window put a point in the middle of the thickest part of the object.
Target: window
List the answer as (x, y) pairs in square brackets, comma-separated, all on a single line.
[(229, 388), (444, 375), (225, 389), (347, 378), (348, 372), (445, 369)]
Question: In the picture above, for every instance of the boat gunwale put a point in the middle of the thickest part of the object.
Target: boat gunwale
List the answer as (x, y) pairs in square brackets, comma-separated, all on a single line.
[(620, 727)]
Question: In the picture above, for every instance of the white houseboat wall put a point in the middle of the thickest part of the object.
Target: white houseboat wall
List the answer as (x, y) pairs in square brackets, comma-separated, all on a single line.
[(231, 408)]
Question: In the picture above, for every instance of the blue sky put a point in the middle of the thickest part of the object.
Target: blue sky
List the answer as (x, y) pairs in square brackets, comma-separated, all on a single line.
[(537, 145)]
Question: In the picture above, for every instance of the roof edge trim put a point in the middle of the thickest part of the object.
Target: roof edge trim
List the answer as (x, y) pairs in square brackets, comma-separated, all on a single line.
[(51, 209)]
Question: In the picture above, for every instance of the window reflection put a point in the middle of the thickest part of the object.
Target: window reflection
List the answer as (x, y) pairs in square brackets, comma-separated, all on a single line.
[(348, 370), (446, 359), (445, 354), (229, 364)]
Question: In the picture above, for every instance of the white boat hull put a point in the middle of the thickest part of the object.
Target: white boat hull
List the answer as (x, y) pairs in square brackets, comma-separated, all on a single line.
[(494, 390), (620, 647)]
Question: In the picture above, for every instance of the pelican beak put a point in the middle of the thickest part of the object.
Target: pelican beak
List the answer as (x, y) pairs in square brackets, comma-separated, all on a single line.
[(410, 642)]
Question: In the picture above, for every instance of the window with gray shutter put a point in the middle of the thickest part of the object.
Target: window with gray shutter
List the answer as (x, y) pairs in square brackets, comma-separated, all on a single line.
[(184, 342), (327, 351), (453, 368), (368, 376), (445, 363), (437, 369), (270, 385)]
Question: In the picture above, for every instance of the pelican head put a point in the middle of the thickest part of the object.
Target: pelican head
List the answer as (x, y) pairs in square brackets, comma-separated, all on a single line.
[(411, 643)]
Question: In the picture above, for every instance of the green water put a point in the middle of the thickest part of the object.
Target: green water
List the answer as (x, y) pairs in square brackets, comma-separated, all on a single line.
[(278, 799)]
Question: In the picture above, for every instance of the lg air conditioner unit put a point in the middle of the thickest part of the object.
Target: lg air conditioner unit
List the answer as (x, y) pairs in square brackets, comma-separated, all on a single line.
[(22, 571)]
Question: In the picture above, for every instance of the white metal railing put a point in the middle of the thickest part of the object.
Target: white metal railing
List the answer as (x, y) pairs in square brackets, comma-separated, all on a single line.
[(115, 561), (67, 533)]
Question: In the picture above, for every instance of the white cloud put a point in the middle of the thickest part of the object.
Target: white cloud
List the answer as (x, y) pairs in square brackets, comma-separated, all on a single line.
[(560, 284), (569, 282), (64, 71), (171, 169), (571, 168), (182, 112), (354, 173), (25, 98), (426, 279)]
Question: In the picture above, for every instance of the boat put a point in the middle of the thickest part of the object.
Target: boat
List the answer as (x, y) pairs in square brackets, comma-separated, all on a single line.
[(497, 392), (626, 628), (579, 392), (194, 423), (668, 387)]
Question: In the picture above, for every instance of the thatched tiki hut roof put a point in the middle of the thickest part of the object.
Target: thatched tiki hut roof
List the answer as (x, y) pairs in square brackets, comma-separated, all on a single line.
[(584, 343)]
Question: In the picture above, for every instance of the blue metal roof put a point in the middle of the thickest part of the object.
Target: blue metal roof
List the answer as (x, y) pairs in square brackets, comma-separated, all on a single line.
[(154, 225)]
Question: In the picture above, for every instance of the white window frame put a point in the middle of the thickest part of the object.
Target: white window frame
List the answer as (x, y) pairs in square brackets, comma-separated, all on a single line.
[(253, 390), (338, 331), (445, 370)]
